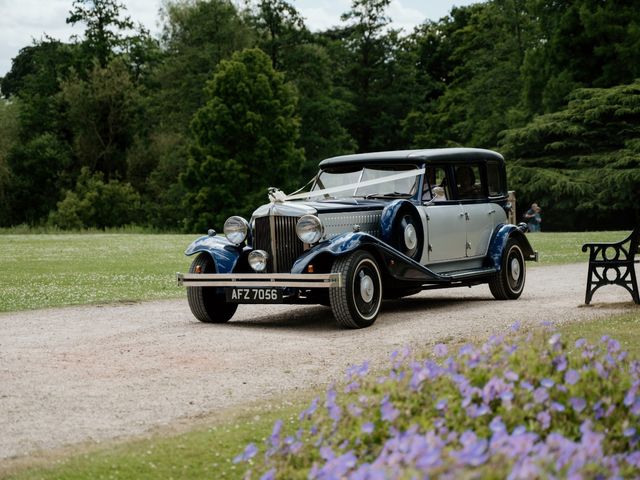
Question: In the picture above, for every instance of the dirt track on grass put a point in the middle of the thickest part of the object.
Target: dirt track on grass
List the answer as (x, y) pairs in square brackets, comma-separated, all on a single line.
[(96, 373)]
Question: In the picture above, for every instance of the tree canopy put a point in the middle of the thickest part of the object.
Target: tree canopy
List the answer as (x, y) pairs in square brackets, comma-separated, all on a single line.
[(193, 126), (244, 140)]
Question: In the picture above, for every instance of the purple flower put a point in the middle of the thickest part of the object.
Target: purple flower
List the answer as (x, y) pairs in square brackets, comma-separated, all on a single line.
[(560, 363), (352, 387), (515, 326), (354, 410), (473, 452), (571, 377), (494, 388), (554, 340), (248, 453), (557, 407), (442, 404), (526, 385), (358, 370), (497, 425), (335, 412), (629, 432), (511, 376), (547, 383), (545, 419), (581, 342), (540, 395), (388, 412), (269, 475), (274, 439), (367, 427), (326, 453), (311, 410), (440, 350), (578, 403)]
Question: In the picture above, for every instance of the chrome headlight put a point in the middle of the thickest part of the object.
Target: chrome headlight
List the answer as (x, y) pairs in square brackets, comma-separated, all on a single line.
[(258, 260), (309, 229), (236, 229)]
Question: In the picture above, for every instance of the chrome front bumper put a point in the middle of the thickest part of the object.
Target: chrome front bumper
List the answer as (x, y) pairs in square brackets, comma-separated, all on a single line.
[(283, 280)]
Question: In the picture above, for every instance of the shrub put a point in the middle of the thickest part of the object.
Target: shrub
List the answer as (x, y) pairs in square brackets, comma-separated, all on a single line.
[(96, 204), (513, 408)]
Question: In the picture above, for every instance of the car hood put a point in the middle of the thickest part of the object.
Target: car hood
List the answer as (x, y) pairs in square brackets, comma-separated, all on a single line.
[(303, 207)]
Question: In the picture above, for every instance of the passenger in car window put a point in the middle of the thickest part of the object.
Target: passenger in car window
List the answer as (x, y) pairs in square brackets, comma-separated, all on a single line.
[(466, 182)]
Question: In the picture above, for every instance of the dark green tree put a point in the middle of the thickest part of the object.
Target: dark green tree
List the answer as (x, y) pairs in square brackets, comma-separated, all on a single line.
[(196, 36), (368, 52), (280, 28), (484, 46), (9, 112), (37, 176), (101, 114), (34, 78), (582, 164), (306, 63), (104, 27), (583, 43), (244, 141)]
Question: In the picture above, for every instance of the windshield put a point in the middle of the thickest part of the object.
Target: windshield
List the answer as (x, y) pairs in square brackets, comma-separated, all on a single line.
[(367, 182)]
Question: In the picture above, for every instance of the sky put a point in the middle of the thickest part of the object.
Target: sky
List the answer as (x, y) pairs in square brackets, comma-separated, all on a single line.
[(23, 21)]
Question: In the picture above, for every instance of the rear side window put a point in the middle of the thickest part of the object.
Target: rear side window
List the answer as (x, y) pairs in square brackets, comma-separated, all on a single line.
[(469, 182), (495, 180)]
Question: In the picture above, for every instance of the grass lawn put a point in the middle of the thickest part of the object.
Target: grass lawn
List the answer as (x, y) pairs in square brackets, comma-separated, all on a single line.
[(207, 452), (51, 270), (556, 248), (40, 271)]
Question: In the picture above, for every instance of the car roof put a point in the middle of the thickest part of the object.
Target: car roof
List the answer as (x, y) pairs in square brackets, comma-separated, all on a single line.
[(412, 156)]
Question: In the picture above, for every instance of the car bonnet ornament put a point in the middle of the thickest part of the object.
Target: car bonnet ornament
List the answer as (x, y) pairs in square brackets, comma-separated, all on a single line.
[(276, 195)]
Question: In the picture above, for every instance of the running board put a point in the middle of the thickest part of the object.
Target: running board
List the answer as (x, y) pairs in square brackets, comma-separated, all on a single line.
[(468, 274)]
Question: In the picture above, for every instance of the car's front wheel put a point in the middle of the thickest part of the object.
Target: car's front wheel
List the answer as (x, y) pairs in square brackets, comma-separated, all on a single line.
[(508, 283), (356, 303), (208, 303)]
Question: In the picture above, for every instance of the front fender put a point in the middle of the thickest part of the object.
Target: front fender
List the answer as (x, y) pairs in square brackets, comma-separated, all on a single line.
[(396, 264), (499, 242), (225, 254), (389, 214)]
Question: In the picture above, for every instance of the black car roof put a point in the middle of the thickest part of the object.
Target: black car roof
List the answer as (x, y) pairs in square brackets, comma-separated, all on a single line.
[(411, 156)]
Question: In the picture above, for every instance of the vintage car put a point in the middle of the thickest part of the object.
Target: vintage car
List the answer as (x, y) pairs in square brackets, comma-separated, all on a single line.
[(371, 226)]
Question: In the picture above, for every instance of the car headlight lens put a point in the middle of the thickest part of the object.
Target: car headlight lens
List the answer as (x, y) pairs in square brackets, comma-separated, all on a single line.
[(258, 260), (309, 229), (236, 229)]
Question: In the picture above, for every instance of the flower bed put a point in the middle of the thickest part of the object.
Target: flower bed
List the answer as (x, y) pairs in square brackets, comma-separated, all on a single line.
[(515, 407)]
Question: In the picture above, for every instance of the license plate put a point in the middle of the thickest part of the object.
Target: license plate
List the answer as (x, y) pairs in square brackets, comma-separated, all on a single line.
[(253, 295)]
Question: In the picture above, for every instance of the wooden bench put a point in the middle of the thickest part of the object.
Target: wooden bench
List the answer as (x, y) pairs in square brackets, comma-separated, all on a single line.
[(607, 259)]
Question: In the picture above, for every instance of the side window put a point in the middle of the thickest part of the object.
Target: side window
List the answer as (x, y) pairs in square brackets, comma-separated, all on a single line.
[(495, 181), (469, 182), (437, 186)]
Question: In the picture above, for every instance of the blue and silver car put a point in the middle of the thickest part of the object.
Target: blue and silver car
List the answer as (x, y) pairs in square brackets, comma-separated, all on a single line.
[(371, 227)]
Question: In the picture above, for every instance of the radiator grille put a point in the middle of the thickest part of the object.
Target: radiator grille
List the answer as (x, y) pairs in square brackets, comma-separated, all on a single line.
[(284, 248)]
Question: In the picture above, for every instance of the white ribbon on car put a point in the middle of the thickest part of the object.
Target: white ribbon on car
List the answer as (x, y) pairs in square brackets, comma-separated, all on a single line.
[(353, 186)]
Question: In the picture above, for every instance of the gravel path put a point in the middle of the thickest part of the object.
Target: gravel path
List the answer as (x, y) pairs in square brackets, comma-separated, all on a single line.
[(95, 373)]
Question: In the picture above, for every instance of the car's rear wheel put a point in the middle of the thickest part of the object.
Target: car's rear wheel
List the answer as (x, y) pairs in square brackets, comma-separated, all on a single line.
[(357, 303), (208, 303), (508, 283)]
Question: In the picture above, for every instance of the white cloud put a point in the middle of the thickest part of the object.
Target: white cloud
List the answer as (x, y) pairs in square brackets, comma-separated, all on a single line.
[(405, 17)]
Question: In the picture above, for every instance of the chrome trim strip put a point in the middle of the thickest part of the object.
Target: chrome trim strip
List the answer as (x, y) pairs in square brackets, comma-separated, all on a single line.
[(305, 280)]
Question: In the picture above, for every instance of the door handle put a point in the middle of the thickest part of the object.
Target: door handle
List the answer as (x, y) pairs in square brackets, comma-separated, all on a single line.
[(491, 211)]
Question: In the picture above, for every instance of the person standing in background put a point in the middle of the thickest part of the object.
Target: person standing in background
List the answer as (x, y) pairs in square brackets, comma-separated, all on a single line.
[(533, 217)]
